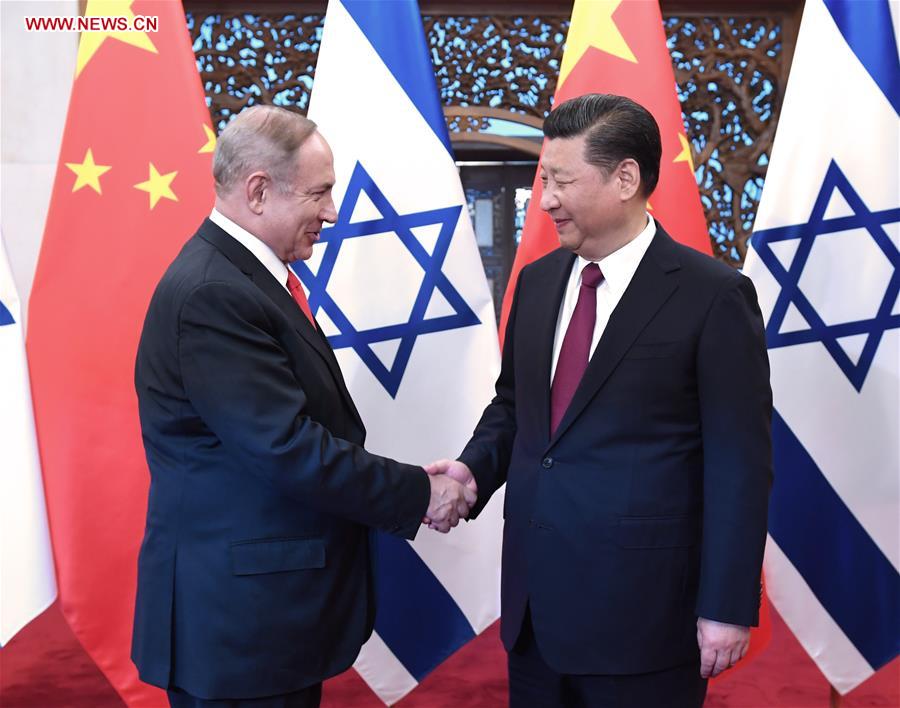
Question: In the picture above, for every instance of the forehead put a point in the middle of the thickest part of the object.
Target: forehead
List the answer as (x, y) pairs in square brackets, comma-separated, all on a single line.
[(315, 161), (564, 154)]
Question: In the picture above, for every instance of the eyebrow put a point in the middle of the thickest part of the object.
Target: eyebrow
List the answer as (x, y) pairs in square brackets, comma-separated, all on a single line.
[(556, 171)]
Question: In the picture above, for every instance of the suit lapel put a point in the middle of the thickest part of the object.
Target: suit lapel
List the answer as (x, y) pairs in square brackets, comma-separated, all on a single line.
[(548, 292), (262, 278), (654, 281)]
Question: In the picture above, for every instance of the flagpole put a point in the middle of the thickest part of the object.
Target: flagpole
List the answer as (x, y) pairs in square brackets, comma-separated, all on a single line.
[(834, 698)]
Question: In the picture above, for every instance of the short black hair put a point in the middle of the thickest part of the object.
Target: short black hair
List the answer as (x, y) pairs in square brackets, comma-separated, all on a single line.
[(617, 128)]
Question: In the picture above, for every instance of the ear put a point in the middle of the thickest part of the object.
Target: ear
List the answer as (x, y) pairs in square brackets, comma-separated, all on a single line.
[(257, 187), (628, 174)]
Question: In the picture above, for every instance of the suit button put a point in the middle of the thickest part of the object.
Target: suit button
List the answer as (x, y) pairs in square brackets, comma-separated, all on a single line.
[(547, 463)]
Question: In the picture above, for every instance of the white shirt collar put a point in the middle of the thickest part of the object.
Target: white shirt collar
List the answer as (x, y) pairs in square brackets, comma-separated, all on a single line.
[(619, 266), (263, 253)]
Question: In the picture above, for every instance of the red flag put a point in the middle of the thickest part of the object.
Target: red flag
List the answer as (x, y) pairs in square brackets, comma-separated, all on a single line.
[(133, 182), (620, 47)]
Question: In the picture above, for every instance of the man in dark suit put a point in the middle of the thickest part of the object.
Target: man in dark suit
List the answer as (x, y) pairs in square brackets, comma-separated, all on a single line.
[(255, 574), (631, 425)]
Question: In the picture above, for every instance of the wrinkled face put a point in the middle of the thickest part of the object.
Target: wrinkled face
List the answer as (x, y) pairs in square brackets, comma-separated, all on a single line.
[(585, 204), (293, 219)]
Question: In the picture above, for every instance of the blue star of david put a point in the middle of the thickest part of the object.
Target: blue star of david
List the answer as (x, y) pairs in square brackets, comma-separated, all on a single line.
[(806, 234), (361, 341), (6, 317)]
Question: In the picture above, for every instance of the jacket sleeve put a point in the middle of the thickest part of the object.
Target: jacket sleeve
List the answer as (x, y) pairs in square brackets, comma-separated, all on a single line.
[(488, 452), (736, 413), (239, 379)]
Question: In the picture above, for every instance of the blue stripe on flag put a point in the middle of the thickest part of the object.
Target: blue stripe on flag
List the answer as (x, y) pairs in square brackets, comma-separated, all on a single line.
[(417, 618), (869, 30), (856, 584), (395, 31), (6, 317)]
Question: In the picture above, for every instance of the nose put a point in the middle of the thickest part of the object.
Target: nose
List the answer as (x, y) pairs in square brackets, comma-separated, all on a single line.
[(328, 213), (549, 200)]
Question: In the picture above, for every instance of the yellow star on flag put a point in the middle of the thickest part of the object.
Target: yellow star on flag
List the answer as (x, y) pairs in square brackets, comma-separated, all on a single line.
[(210, 145), (92, 41), (158, 186), (685, 155), (592, 25), (88, 172)]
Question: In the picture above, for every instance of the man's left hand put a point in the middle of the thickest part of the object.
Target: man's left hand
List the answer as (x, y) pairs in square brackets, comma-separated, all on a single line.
[(721, 645)]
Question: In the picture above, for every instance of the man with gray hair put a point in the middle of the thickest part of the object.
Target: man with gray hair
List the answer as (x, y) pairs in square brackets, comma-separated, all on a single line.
[(255, 578)]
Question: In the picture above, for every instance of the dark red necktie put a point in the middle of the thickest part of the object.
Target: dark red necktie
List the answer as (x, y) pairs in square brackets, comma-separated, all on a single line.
[(299, 296), (576, 346)]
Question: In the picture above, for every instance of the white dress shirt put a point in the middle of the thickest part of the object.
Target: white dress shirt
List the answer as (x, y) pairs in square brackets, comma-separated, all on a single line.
[(618, 269), (263, 253)]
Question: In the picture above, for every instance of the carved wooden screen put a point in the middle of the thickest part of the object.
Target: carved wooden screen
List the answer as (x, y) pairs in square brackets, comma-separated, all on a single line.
[(730, 69)]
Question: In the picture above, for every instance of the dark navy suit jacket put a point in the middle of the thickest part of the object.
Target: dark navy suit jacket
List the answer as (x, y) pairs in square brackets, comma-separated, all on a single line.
[(647, 508), (255, 575)]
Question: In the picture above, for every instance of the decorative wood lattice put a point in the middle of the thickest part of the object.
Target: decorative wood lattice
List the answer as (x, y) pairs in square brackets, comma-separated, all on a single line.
[(730, 74), (497, 62), (247, 59)]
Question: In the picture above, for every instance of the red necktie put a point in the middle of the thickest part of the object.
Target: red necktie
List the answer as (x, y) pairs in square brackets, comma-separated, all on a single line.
[(576, 346), (299, 296)]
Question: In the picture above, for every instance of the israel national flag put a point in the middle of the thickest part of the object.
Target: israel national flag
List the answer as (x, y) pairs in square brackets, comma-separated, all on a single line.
[(27, 581), (825, 261), (398, 286)]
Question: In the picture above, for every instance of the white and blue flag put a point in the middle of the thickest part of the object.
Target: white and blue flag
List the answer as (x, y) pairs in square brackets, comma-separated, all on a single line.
[(825, 261), (27, 580), (398, 287)]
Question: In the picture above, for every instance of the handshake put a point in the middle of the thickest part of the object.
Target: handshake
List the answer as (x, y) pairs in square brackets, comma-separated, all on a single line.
[(453, 494)]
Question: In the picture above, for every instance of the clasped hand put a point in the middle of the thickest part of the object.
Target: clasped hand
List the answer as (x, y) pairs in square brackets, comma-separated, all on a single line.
[(453, 494)]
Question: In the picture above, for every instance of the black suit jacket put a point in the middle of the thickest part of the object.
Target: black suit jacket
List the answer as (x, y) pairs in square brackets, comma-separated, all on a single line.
[(647, 507), (254, 575)]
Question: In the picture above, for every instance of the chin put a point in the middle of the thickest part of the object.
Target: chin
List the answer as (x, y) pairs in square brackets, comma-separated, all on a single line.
[(569, 242), (302, 253)]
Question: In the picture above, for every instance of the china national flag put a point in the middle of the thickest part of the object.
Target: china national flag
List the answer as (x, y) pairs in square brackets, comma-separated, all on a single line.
[(619, 47), (133, 182)]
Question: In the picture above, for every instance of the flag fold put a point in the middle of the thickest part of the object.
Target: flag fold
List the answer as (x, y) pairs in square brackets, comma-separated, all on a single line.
[(825, 261), (132, 184), (27, 579), (398, 286)]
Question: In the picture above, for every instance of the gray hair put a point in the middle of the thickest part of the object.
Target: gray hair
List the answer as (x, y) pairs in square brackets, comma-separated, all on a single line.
[(260, 138)]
